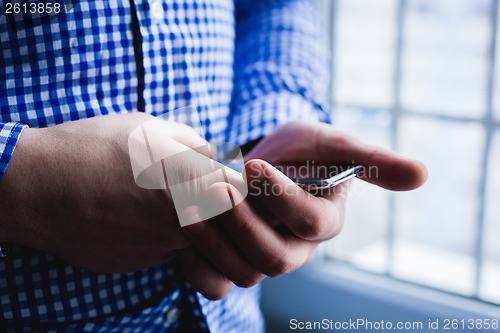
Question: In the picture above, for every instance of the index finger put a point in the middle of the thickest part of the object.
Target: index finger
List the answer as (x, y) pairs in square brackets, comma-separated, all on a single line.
[(382, 167)]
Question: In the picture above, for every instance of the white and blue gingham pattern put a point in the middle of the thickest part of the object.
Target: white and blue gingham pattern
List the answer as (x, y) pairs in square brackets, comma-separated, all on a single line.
[(250, 66), (9, 134)]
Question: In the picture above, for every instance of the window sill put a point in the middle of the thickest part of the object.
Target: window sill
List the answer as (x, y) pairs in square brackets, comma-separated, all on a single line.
[(336, 291)]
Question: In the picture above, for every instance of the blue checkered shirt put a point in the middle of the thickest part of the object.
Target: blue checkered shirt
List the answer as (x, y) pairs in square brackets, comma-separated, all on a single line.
[(249, 66)]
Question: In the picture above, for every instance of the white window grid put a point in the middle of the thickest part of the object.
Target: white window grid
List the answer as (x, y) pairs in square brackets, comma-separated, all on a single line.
[(398, 111)]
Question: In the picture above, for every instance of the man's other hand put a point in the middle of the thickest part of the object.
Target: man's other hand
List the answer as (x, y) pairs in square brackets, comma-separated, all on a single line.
[(277, 228)]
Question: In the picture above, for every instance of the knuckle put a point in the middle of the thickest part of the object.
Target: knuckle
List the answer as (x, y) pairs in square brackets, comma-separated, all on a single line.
[(315, 226), (248, 279), (285, 266), (215, 295), (243, 227), (220, 292), (336, 223), (337, 229), (280, 265), (343, 139), (375, 154)]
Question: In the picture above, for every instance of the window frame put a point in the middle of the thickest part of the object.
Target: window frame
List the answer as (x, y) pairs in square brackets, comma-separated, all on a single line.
[(336, 290), (397, 111)]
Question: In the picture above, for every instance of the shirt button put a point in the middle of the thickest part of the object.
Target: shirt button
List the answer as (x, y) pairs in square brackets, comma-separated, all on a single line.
[(73, 42), (157, 10), (172, 315)]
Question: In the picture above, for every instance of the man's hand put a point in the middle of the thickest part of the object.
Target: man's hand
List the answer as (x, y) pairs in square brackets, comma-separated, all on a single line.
[(299, 141), (70, 191), (276, 229)]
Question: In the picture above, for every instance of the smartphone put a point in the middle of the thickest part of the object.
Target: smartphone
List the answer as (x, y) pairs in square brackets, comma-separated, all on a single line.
[(311, 180), (321, 183)]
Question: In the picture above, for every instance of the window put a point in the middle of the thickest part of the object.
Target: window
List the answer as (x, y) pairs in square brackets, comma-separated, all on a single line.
[(422, 77)]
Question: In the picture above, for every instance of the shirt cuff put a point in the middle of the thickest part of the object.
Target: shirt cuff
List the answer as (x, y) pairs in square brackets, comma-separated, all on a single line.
[(261, 117), (9, 136)]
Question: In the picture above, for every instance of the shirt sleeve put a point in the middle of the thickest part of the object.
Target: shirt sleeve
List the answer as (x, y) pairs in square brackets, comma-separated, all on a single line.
[(281, 69), (9, 136)]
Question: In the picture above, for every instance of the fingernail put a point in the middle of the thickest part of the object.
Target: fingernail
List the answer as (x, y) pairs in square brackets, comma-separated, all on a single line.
[(193, 221), (261, 170)]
